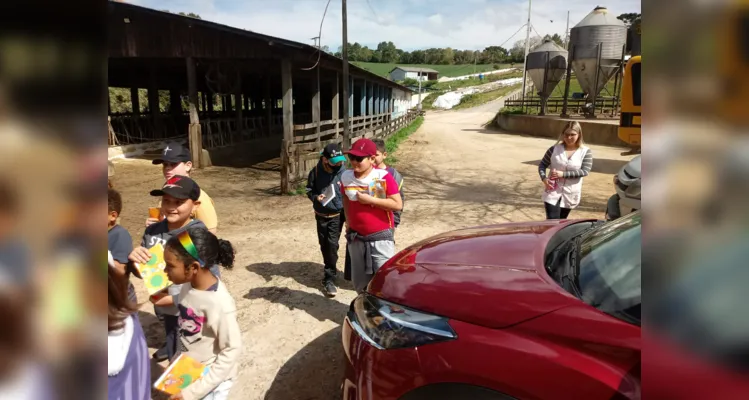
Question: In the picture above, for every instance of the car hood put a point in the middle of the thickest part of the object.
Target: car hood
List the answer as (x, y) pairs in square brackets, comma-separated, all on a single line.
[(491, 276)]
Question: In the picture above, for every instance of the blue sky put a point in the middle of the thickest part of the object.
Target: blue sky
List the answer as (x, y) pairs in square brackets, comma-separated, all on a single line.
[(410, 24)]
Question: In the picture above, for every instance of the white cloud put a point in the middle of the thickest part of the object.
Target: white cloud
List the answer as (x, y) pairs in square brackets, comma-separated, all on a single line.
[(412, 24)]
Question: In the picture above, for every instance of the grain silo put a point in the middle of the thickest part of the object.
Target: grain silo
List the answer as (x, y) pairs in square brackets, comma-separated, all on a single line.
[(546, 65), (597, 46)]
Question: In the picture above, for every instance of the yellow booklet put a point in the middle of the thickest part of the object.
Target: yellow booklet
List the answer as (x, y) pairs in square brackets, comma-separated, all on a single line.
[(378, 188), (152, 272), (180, 374)]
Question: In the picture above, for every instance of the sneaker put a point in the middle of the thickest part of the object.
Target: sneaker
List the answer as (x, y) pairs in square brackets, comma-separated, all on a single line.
[(329, 288)]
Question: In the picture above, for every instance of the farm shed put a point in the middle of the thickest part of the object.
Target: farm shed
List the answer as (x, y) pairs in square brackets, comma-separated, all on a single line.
[(236, 93), (401, 73)]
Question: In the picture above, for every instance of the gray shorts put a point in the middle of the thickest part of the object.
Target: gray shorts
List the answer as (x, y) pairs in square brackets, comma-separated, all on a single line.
[(381, 251)]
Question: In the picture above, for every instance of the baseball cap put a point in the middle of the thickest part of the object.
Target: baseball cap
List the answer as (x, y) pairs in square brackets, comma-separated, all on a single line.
[(363, 148), (174, 153), (180, 187), (333, 153)]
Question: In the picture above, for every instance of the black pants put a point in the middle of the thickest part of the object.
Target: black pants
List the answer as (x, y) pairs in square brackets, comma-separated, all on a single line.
[(555, 211), (171, 330), (328, 235)]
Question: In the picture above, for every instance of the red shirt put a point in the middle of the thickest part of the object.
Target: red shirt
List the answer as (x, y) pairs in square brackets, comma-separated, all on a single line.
[(367, 219)]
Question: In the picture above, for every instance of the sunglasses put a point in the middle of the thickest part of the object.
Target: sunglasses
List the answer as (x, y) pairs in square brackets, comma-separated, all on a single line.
[(356, 158)]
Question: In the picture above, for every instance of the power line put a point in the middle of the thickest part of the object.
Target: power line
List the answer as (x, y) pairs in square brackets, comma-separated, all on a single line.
[(374, 12), (513, 35), (319, 39), (534, 30)]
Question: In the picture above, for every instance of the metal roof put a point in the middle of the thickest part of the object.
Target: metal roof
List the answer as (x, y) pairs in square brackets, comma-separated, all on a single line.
[(270, 40), (414, 69), (600, 16)]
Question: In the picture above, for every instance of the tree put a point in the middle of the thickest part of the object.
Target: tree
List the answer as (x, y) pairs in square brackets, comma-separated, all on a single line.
[(494, 54), (630, 18), (517, 53), (447, 56)]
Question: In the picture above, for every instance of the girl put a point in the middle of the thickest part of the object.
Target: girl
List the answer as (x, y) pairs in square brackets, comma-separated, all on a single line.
[(129, 370), (570, 160), (176, 160), (208, 328)]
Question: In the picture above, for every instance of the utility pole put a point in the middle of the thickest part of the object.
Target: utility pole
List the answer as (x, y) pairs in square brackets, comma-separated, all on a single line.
[(419, 106), (567, 33), (344, 53), (527, 46), (474, 62)]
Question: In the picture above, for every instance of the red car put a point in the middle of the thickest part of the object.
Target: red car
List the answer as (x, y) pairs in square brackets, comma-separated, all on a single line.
[(538, 310)]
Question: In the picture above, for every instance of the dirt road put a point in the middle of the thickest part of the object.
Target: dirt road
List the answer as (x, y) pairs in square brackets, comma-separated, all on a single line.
[(457, 174)]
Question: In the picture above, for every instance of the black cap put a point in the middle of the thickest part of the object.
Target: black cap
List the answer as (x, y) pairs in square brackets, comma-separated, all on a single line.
[(180, 187), (333, 153), (174, 153)]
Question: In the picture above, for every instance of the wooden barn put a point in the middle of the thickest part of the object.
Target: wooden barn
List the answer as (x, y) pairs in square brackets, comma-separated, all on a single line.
[(238, 95)]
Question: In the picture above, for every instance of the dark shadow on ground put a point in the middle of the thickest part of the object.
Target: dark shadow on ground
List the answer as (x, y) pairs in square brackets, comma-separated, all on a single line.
[(308, 274), (314, 373), (600, 165), (318, 306)]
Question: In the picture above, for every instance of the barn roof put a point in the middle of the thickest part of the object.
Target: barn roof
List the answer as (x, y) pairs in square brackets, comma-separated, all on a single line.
[(415, 69)]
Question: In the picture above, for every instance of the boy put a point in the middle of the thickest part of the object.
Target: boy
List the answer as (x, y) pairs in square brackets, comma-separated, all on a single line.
[(120, 244), (370, 198), (380, 164), (175, 160), (179, 201), (329, 217)]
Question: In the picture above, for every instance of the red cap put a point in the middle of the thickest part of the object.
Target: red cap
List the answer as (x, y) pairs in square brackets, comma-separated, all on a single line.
[(363, 148)]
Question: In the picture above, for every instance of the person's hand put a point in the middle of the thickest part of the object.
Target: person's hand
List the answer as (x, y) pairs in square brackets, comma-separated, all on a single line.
[(365, 198), (151, 221), (320, 198), (555, 173), (140, 255), (547, 184), (176, 396)]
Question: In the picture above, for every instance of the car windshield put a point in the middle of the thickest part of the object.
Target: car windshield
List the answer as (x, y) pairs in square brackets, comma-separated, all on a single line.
[(610, 265)]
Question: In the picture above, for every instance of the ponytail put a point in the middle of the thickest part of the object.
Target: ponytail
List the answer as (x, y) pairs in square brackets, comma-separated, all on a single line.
[(211, 250)]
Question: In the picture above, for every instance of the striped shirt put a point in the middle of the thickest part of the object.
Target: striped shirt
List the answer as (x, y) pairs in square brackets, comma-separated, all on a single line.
[(577, 173)]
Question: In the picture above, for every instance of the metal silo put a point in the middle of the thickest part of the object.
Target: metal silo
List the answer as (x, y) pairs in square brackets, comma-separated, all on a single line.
[(597, 47), (546, 65)]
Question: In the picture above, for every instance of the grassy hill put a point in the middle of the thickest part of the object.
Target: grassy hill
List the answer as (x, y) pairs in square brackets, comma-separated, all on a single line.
[(444, 70)]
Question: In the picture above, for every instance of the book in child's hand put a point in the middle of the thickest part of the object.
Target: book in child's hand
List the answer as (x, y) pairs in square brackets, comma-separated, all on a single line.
[(181, 373), (329, 194), (152, 272), (378, 188)]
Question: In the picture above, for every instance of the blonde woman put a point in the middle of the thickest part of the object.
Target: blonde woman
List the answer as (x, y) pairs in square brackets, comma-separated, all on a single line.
[(570, 161)]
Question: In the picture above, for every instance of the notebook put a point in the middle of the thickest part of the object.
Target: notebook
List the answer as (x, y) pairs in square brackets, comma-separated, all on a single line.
[(152, 272), (180, 374), (329, 195)]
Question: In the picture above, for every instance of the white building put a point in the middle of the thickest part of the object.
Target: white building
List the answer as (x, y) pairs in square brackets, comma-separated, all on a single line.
[(401, 73)]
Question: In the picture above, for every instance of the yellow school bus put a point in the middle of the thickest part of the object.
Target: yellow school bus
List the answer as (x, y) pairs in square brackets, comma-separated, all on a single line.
[(629, 120)]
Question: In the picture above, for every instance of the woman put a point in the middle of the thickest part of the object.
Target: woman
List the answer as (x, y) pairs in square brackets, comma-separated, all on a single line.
[(176, 160), (129, 369), (570, 160)]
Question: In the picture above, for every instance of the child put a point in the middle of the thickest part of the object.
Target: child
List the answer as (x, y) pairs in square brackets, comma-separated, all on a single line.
[(380, 164), (208, 328), (176, 160), (371, 196), (120, 243), (179, 200), (329, 217), (128, 369)]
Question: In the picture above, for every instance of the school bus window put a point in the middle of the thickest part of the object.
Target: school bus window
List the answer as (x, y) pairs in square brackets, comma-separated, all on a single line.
[(636, 84)]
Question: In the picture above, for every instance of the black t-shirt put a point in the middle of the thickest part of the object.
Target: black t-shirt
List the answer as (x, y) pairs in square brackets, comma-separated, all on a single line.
[(120, 244)]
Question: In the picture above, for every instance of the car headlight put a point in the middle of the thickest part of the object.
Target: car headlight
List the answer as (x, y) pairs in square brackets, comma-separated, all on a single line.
[(386, 325)]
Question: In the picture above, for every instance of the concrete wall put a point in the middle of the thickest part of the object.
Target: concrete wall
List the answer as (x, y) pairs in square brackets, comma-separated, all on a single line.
[(603, 132), (401, 103), (400, 75)]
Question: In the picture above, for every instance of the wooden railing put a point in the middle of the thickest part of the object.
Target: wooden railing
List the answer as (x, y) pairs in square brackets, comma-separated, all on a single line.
[(305, 133), (604, 105), (222, 132), (305, 151)]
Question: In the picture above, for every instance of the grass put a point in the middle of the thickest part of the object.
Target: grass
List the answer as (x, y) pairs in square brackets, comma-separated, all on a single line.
[(477, 99), (440, 88), (511, 111), (299, 190), (383, 69), (393, 142)]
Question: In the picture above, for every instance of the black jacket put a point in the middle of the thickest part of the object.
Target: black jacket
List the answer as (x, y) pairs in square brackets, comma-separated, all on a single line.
[(317, 181)]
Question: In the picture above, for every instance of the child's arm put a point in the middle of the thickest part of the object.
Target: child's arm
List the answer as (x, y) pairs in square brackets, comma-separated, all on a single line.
[(229, 339), (392, 203), (162, 300)]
